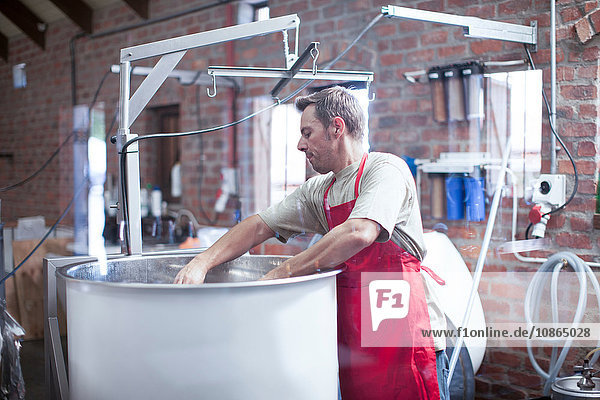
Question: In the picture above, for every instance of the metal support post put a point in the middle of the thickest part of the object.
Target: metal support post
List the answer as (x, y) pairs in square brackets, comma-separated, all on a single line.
[(133, 230), (56, 373), (473, 26)]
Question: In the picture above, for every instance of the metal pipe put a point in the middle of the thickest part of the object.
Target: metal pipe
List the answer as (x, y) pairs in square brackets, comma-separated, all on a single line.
[(483, 252), (553, 84), (129, 218)]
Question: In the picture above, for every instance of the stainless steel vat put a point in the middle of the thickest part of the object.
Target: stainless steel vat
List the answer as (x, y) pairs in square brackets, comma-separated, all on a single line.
[(134, 335)]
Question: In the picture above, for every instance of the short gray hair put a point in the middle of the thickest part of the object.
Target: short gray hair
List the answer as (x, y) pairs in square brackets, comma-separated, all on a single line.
[(334, 102)]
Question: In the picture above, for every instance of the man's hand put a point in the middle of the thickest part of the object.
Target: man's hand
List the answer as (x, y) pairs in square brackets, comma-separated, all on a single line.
[(194, 272), (282, 271)]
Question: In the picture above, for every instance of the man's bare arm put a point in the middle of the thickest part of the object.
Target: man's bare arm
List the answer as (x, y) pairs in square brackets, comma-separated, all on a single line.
[(241, 238), (338, 245)]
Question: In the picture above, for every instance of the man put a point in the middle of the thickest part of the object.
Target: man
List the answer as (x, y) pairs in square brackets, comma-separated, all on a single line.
[(366, 208)]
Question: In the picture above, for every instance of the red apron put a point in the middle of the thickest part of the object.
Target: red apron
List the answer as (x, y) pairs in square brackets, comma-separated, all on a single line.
[(381, 373)]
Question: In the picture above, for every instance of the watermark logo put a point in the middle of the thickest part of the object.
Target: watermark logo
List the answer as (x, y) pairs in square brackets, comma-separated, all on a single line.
[(389, 299)]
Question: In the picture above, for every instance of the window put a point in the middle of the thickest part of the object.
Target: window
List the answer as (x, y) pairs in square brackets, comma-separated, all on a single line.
[(252, 10), (288, 165), (515, 106), (261, 11), (278, 168)]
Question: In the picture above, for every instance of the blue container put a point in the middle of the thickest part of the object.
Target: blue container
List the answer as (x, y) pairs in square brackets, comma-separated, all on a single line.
[(455, 195), (474, 199)]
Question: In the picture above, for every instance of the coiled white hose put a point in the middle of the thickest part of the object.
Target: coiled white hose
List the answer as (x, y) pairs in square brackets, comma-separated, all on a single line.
[(533, 299)]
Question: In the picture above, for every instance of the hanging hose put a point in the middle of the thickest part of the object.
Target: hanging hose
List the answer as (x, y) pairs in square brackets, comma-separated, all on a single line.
[(533, 299), (588, 355)]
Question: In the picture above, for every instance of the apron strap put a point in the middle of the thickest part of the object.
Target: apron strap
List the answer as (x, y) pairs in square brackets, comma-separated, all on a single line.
[(360, 172), (361, 167), (433, 275), (326, 205)]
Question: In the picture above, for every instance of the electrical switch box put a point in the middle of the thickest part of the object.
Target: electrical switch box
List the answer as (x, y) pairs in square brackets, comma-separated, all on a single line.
[(550, 189)]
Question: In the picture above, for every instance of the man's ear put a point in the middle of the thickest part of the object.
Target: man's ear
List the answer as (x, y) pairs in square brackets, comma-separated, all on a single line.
[(339, 126)]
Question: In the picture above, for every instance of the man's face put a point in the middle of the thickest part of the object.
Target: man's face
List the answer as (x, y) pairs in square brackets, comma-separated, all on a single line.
[(316, 141)]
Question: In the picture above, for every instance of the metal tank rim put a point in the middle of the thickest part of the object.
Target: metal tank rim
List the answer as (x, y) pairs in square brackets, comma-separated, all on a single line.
[(63, 274)]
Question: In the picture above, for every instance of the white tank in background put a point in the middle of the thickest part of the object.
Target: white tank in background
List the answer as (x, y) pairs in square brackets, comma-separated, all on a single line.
[(445, 260)]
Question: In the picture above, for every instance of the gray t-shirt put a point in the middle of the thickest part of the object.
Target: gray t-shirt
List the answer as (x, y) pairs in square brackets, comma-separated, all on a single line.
[(386, 195)]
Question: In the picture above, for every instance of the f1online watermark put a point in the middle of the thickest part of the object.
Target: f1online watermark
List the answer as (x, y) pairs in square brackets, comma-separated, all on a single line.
[(394, 313)]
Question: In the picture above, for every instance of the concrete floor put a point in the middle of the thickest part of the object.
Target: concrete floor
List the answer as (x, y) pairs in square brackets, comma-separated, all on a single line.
[(32, 365)]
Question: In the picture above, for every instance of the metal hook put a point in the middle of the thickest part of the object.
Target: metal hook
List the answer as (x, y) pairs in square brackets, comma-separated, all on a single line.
[(314, 53), (370, 95), (214, 93)]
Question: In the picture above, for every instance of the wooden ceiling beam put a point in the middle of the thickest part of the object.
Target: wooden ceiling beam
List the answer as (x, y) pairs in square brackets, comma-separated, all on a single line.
[(25, 20), (140, 7), (77, 11), (4, 47)]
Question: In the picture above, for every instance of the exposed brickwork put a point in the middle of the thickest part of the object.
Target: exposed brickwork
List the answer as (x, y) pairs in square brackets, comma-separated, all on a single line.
[(35, 120)]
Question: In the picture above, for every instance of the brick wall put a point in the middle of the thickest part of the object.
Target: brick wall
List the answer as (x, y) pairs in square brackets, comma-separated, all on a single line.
[(35, 120)]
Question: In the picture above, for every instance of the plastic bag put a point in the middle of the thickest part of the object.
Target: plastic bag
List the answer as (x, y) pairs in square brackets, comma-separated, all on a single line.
[(12, 386)]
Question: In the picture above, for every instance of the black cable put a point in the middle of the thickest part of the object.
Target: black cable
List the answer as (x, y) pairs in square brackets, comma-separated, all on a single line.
[(164, 135), (52, 228), (201, 164), (338, 57), (36, 173), (277, 102), (576, 183), (55, 153)]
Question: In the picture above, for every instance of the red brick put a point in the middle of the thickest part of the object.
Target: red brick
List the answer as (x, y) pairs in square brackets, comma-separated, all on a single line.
[(485, 46), (358, 5), (579, 92), (587, 149), (508, 291), (562, 33), (565, 73), (388, 29), (525, 379), (406, 106), (591, 54), (496, 372), (543, 56), (420, 56), (570, 14), (485, 11), (452, 51), (588, 72), (383, 46), (565, 112), (590, 5), (514, 7), (587, 186), (459, 3), (579, 129), (482, 385), (434, 37), (391, 59), (411, 26), (430, 5), (579, 224), (435, 134), (405, 43), (595, 20), (556, 221), (584, 30), (573, 241), (582, 204), (586, 167)]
